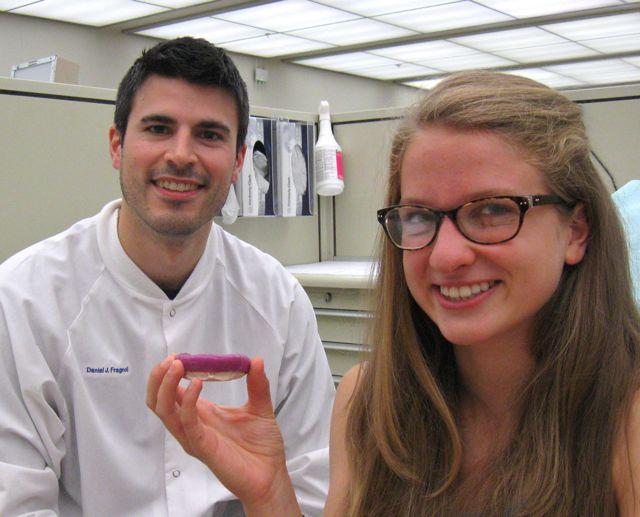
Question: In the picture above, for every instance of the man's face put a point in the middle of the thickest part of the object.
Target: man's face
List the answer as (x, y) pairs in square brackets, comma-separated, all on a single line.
[(178, 157)]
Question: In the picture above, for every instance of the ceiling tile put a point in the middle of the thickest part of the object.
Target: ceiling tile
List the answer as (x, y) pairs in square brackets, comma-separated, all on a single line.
[(273, 45), (287, 15), (567, 50), (475, 61), (349, 61), (448, 16), (94, 13), (626, 43), (378, 7), (599, 72), (353, 32), (604, 27), (427, 49), (528, 8), (216, 31), (509, 39), (551, 79)]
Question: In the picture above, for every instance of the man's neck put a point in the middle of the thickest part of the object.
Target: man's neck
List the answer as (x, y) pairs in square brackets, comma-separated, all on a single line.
[(166, 260)]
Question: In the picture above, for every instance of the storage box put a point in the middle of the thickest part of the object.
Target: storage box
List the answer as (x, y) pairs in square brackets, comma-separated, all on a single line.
[(295, 180), (51, 69), (255, 187)]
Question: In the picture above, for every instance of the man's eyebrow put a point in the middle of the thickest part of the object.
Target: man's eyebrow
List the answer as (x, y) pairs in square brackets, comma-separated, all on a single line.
[(164, 119), (214, 124)]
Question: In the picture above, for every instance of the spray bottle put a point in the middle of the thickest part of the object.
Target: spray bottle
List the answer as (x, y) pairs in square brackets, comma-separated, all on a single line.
[(328, 157)]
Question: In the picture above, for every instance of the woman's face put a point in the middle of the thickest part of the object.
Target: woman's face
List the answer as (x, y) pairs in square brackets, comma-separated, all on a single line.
[(444, 168)]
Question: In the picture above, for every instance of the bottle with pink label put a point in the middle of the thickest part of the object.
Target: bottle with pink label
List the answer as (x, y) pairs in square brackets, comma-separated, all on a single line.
[(328, 157)]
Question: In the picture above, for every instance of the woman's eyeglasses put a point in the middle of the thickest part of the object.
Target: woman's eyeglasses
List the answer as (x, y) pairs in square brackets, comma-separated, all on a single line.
[(490, 220)]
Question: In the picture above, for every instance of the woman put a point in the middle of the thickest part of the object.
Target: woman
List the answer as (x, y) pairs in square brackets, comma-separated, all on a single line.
[(504, 368)]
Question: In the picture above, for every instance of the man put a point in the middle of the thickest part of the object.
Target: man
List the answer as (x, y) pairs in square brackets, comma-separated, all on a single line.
[(86, 314)]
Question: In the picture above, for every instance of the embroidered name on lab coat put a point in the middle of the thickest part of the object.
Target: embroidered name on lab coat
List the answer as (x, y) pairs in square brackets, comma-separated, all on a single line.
[(106, 371)]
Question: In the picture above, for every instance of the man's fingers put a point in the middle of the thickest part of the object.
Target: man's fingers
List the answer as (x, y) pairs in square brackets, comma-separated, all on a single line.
[(155, 380), (168, 390), (258, 389)]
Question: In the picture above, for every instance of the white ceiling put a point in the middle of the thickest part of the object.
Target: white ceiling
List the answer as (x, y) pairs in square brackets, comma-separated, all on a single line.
[(563, 43)]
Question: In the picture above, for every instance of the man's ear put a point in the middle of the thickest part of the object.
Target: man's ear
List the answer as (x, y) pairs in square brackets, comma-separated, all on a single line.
[(115, 147), (237, 167), (578, 237)]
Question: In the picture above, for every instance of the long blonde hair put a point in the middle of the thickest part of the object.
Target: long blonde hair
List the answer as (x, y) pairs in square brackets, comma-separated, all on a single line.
[(403, 438)]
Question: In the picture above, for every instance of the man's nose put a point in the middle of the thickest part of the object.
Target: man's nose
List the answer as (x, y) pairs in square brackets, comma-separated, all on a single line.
[(180, 151)]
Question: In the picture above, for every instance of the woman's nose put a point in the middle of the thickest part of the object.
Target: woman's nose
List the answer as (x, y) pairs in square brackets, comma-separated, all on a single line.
[(450, 250)]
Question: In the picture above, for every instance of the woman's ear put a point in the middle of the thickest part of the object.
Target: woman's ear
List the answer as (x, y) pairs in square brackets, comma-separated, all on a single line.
[(578, 236)]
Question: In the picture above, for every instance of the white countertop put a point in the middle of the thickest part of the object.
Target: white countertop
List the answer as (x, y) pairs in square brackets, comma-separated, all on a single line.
[(335, 273)]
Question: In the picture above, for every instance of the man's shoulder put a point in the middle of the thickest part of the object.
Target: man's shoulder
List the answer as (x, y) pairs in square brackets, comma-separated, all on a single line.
[(73, 248)]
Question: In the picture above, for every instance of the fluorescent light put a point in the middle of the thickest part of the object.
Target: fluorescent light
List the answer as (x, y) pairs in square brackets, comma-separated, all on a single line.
[(603, 27), (551, 79), (352, 32), (425, 84), (287, 15), (5, 5), (615, 43), (599, 72), (394, 71), (447, 16), (567, 50), (216, 31), (527, 8), (426, 49), (378, 7), (89, 13), (273, 45), (350, 61), (470, 62), (509, 39), (174, 4)]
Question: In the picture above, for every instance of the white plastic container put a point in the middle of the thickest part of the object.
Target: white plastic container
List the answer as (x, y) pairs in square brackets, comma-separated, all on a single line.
[(328, 157)]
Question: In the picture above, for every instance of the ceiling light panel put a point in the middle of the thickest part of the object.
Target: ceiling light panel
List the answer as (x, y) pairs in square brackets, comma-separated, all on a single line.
[(353, 32), (508, 39), (216, 31), (471, 62), (287, 15), (442, 17), (96, 14), (378, 7), (614, 44), (567, 50), (350, 61), (174, 4), (274, 45), (527, 8), (606, 71), (427, 49), (604, 27), (396, 71), (425, 84), (5, 5), (551, 79)]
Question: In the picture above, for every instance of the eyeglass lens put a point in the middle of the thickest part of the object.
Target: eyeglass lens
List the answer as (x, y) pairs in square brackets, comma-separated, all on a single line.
[(484, 221)]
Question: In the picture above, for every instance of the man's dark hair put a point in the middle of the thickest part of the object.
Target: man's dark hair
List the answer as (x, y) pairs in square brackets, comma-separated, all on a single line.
[(193, 59)]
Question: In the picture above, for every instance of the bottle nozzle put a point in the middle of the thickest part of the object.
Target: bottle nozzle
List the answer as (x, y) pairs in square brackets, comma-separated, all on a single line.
[(323, 109)]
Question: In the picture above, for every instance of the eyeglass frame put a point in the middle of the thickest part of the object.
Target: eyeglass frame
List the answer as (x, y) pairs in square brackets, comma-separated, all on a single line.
[(524, 204)]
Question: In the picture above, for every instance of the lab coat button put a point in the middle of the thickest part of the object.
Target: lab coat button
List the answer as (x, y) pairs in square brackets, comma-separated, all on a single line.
[(176, 473), (172, 313)]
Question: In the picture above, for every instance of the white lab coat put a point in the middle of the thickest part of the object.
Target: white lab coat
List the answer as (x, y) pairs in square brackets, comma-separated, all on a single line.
[(627, 199), (80, 329)]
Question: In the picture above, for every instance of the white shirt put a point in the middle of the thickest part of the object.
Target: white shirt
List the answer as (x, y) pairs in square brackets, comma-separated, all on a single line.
[(80, 329), (627, 199)]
